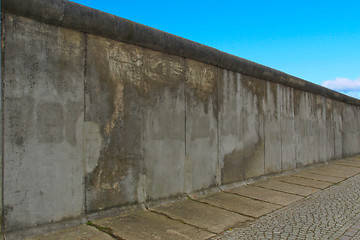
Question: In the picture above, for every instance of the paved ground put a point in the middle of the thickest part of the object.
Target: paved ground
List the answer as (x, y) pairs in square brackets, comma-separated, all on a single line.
[(315, 203), (330, 214)]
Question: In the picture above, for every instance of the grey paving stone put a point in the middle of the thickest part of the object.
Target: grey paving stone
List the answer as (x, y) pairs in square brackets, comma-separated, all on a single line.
[(287, 187), (149, 225), (347, 169), (304, 181), (333, 213), (266, 195), (315, 176), (82, 232), (330, 172), (202, 215), (240, 204), (348, 163)]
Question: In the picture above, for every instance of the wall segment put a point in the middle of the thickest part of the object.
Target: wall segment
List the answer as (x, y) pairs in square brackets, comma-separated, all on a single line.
[(101, 112)]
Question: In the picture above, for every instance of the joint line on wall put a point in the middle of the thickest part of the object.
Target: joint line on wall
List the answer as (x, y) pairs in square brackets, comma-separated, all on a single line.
[(85, 89), (2, 223)]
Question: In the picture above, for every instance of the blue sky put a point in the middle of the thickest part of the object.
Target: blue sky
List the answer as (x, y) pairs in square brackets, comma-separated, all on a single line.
[(318, 41)]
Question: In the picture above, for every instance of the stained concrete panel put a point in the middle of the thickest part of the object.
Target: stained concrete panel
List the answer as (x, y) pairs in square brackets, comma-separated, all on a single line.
[(288, 133), (202, 215), (164, 124), (243, 205), (305, 129), (201, 162), (114, 84), (149, 225), (43, 122), (350, 138), (272, 128), (338, 129), (231, 148), (329, 153), (325, 148), (312, 130), (253, 100)]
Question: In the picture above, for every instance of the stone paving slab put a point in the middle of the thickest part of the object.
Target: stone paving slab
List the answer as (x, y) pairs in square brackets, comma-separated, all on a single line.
[(202, 215), (266, 195), (330, 214), (82, 232), (304, 181), (240, 204), (347, 169), (348, 163), (329, 172), (315, 176), (149, 225), (355, 158), (287, 187)]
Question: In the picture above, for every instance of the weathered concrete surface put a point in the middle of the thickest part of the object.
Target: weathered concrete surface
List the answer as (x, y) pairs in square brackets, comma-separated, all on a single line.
[(201, 162), (164, 125), (253, 100), (287, 187), (149, 225), (104, 123), (43, 123), (350, 133), (327, 133), (304, 181), (113, 109), (243, 205), (82, 232), (267, 195), (202, 215), (191, 219), (338, 129), (231, 124), (80, 18), (287, 125), (272, 129), (307, 151)]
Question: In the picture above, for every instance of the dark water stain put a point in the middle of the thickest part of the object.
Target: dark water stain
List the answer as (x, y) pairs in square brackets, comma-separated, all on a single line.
[(233, 167), (253, 157), (113, 89)]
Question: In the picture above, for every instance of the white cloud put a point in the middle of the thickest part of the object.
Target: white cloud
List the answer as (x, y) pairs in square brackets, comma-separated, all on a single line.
[(343, 84)]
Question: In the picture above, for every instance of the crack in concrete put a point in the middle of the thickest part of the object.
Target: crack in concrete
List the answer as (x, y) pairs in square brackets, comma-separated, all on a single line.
[(297, 184), (178, 220), (242, 214), (107, 230), (284, 191), (260, 200)]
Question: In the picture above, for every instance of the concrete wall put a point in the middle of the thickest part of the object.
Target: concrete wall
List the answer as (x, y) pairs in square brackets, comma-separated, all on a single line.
[(100, 112)]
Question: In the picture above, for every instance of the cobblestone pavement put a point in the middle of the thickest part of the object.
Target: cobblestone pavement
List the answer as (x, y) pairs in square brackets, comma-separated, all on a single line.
[(330, 214)]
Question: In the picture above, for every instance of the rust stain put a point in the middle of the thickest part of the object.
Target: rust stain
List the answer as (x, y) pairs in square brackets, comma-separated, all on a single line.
[(119, 108)]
